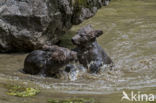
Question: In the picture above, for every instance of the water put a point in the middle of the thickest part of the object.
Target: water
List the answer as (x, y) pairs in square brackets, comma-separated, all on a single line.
[(129, 39)]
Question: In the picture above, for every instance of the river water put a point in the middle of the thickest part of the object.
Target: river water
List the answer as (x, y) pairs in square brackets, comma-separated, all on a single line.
[(129, 39)]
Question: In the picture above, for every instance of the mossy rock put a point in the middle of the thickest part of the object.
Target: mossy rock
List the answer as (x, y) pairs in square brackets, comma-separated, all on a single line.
[(66, 40), (78, 100), (20, 91), (79, 3)]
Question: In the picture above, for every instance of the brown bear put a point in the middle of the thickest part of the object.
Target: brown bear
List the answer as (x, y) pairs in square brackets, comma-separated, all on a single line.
[(48, 61), (89, 52)]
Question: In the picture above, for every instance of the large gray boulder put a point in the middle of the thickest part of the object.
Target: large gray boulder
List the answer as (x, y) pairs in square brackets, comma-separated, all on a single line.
[(26, 25)]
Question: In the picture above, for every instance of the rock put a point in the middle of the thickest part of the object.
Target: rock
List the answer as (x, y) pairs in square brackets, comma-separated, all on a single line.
[(106, 2), (48, 62), (89, 52), (26, 25)]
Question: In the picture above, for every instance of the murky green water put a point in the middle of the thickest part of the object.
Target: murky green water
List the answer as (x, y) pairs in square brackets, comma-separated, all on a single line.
[(130, 40)]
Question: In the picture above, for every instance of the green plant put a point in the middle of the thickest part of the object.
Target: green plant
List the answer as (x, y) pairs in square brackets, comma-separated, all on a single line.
[(78, 100), (20, 91)]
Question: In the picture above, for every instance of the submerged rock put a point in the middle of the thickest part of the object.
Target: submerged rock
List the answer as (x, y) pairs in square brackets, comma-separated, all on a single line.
[(27, 24), (89, 52)]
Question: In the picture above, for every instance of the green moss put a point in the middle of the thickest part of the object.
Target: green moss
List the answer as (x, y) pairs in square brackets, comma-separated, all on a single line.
[(82, 2), (79, 3), (80, 100), (20, 91)]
